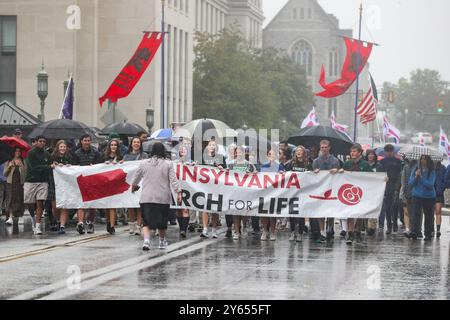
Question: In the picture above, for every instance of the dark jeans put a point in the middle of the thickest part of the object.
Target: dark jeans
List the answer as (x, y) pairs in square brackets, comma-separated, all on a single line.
[(255, 224), (427, 207), (297, 221), (389, 210), (229, 220)]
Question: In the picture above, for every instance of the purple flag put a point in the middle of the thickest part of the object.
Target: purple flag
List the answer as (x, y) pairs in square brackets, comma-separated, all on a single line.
[(67, 107)]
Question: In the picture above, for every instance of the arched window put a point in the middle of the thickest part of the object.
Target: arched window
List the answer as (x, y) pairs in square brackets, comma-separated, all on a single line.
[(334, 63), (302, 54)]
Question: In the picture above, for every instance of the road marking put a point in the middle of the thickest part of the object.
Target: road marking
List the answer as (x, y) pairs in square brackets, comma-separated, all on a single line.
[(71, 243), (108, 273)]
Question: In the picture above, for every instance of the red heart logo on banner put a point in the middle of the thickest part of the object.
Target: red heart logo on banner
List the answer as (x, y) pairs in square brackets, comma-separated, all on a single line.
[(350, 195)]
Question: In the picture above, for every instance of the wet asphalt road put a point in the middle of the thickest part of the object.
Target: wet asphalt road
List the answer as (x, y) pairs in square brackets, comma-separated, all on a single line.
[(114, 267)]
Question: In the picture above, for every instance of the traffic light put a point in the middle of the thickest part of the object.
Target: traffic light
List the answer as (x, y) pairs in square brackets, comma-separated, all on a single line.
[(440, 106), (391, 97)]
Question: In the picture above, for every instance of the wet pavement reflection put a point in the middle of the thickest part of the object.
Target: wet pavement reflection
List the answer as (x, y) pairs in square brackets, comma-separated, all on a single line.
[(388, 267)]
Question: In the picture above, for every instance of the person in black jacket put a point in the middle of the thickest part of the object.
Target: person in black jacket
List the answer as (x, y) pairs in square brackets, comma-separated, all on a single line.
[(86, 155), (393, 167), (112, 156), (60, 157)]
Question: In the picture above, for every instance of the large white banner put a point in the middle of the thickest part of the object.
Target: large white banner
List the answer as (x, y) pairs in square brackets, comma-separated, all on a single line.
[(101, 186), (347, 195)]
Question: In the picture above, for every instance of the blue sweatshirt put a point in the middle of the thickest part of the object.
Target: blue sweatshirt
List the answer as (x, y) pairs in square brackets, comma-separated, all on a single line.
[(423, 187)]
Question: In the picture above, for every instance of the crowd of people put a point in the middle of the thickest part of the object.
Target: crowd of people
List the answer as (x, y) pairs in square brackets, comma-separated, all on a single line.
[(412, 204)]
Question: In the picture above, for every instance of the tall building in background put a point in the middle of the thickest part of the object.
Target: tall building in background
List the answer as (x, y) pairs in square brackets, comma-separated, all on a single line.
[(312, 38), (94, 39)]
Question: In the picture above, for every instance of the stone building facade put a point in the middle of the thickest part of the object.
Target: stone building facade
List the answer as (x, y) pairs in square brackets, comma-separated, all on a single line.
[(94, 39), (312, 37)]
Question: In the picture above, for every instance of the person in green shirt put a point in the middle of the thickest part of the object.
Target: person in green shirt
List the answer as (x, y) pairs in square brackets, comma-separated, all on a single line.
[(355, 164), (35, 188)]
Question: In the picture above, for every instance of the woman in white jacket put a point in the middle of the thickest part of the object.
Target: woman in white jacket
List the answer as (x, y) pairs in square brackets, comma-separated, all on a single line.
[(158, 177)]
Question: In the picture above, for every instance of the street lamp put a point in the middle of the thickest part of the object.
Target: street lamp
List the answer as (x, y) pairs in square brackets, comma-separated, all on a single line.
[(42, 89), (150, 117)]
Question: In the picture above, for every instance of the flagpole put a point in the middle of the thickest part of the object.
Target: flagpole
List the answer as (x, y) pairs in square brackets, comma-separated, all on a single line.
[(357, 74), (163, 89)]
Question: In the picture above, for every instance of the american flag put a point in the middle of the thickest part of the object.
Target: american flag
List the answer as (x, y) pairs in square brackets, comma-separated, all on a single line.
[(367, 109), (444, 144), (390, 131)]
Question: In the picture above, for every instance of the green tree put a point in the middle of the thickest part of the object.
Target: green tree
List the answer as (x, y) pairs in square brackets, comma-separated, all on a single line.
[(239, 85), (421, 92)]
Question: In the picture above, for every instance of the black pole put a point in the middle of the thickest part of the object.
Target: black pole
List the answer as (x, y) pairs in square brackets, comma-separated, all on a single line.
[(163, 93), (357, 75)]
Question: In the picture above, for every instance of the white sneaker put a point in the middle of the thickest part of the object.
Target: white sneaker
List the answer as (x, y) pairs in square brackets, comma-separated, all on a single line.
[(244, 233), (264, 236), (163, 244), (10, 221), (138, 231), (204, 234), (214, 235), (132, 227), (235, 235), (273, 236), (37, 230), (146, 245)]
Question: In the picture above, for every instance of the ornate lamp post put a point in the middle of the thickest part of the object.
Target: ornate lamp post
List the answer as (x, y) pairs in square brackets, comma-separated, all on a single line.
[(42, 90)]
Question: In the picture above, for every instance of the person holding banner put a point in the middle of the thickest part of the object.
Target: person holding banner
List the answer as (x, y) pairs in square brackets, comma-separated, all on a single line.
[(240, 165), (86, 155), (135, 153), (112, 156), (60, 157), (269, 224), (158, 176), (299, 163), (356, 164), (183, 215), (211, 158), (326, 161)]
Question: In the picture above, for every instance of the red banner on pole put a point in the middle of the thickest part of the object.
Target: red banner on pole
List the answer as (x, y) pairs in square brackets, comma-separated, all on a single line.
[(358, 54), (135, 68)]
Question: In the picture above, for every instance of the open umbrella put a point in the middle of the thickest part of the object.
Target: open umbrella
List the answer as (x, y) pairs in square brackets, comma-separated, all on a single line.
[(162, 134), (62, 129), (415, 152), (123, 128), (311, 136), (204, 129), (9, 144)]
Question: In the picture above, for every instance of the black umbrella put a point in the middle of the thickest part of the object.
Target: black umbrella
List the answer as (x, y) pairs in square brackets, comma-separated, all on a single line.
[(6, 152), (123, 128), (62, 129), (311, 136)]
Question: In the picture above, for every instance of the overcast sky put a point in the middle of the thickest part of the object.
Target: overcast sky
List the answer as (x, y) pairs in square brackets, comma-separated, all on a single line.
[(412, 33)]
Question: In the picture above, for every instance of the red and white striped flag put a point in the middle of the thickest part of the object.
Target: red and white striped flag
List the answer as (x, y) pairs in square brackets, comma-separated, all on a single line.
[(367, 109), (337, 126)]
